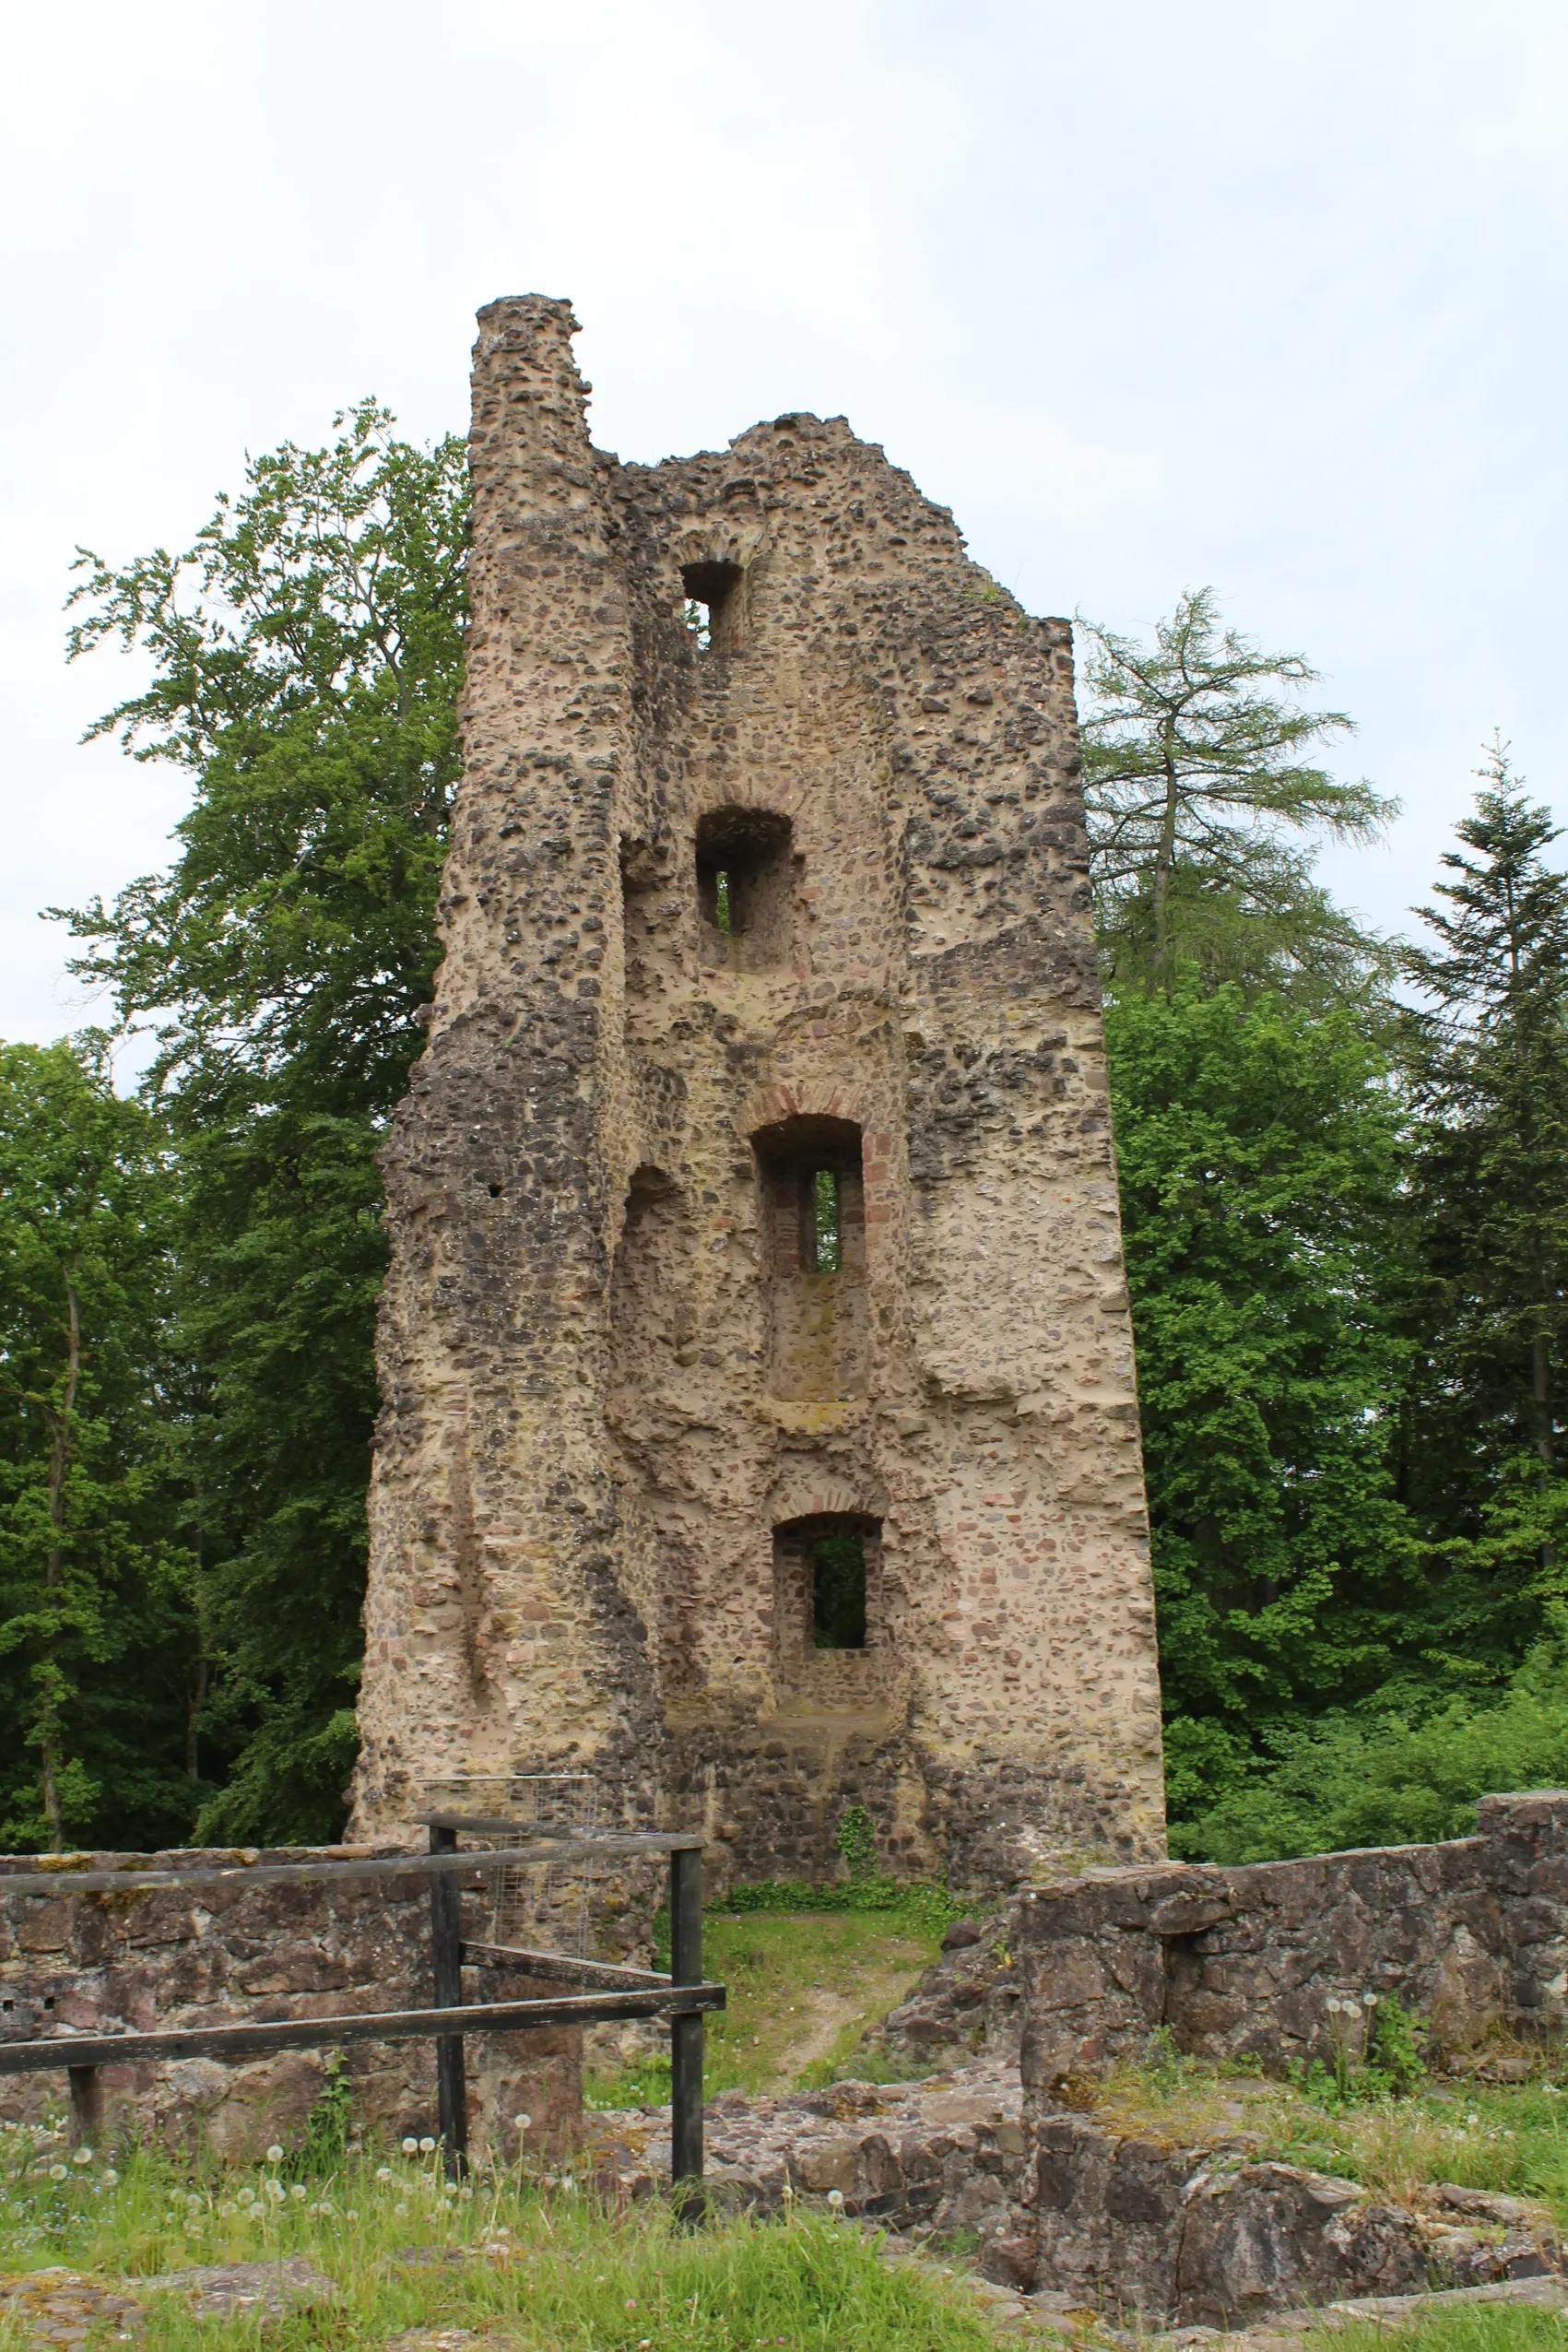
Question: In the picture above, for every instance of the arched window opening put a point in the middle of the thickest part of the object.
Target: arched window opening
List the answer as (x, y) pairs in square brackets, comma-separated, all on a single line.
[(712, 609), (813, 1257), (744, 888), (838, 1591), (828, 1578)]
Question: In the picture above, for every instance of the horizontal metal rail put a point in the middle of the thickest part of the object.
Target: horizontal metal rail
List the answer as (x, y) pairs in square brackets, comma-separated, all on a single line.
[(38, 2054), (137, 1882), (556, 1967), (682, 1997), (598, 1842)]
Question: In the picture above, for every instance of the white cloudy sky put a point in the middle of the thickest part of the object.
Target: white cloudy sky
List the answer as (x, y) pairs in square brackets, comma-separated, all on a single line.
[(1268, 295)]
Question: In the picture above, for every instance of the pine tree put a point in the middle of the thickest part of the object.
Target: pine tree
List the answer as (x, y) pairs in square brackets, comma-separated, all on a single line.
[(1200, 802), (1259, 1155), (1489, 1203)]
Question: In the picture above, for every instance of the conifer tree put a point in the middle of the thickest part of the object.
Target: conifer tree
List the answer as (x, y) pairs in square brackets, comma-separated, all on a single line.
[(1201, 802), (1488, 1055)]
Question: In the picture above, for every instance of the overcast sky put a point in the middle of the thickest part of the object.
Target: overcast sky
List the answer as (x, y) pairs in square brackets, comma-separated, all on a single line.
[(1264, 295)]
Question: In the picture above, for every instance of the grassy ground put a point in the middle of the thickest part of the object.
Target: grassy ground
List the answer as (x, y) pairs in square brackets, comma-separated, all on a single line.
[(551, 2271), (803, 1988), (1511, 2138), (1484, 2328)]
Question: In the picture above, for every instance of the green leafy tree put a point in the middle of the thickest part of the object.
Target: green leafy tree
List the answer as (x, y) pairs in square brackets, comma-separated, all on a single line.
[(1378, 1775), (307, 653), (99, 1637), (1258, 1143), (1200, 799)]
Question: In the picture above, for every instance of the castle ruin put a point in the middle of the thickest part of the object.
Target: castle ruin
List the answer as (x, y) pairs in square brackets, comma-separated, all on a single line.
[(759, 1431)]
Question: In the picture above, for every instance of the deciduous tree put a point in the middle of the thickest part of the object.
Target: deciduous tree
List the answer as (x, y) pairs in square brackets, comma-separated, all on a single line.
[(100, 1637), (1259, 1149), (306, 653)]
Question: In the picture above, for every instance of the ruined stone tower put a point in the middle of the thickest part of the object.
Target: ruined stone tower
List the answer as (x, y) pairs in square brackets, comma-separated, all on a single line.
[(759, 1428)]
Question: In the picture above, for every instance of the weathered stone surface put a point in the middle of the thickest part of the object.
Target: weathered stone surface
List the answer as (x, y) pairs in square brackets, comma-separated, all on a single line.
[(230, 1952), (1079, 2215), (621, 1397), (948, 2153), (1206, 2235), (1080, 1971), (244, 2291), (54, 2308)]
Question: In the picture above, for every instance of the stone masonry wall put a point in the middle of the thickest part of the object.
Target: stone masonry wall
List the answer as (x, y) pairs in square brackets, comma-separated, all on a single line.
[(215, 1955), (613, 1384), (1080, 1972)]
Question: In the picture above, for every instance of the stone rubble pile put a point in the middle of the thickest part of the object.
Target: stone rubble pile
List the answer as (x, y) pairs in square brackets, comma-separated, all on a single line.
[(1073, 2214)]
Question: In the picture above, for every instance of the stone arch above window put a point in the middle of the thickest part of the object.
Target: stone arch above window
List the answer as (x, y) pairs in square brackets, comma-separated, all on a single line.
[(813, 1254)]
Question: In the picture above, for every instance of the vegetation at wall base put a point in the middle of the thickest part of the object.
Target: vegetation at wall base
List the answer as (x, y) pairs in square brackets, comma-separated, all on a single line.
[(922, 1901)]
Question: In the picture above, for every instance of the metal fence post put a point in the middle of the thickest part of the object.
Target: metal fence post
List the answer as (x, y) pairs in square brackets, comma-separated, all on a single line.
[(446, 1960), (686, 2031), (87, 2106)]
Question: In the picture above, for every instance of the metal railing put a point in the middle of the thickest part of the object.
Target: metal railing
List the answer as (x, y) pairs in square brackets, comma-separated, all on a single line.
[(682, 1995)]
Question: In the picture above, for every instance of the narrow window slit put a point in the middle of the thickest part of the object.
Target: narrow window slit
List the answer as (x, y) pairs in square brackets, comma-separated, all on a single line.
[(823, 1253), (812, 1257), (698, 616)]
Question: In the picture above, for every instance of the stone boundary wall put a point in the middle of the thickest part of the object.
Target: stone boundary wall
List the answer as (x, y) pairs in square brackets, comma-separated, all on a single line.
[(215, 1955), (1241, 1963)]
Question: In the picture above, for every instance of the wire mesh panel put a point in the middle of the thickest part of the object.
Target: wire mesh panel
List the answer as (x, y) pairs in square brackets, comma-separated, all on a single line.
[(544, 1905)]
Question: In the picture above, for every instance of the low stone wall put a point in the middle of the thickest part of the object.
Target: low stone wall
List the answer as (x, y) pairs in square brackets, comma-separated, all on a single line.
[(214, 1955), (1209, 2235), (1243, 1963), (1077, 2211)]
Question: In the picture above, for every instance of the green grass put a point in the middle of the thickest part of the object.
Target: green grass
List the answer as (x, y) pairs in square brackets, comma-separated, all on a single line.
[(1511, 2138), (553, 2268), (803, 1991), (1484, 2327)]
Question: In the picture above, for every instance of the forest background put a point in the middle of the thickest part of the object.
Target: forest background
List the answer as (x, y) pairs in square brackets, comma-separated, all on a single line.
[(1344, 1171)]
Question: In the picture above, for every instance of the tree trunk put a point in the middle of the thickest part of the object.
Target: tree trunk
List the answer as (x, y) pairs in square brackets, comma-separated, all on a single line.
[(1540, 1399), (1165, 859), (61, 1446)]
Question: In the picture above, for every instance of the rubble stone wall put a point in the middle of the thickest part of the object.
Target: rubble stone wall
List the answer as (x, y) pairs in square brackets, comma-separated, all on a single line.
[(214, 1955), (613, 1380), (1244, 1963)]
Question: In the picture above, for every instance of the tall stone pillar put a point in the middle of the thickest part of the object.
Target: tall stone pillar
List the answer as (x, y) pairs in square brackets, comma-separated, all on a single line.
[(759, 1428)]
